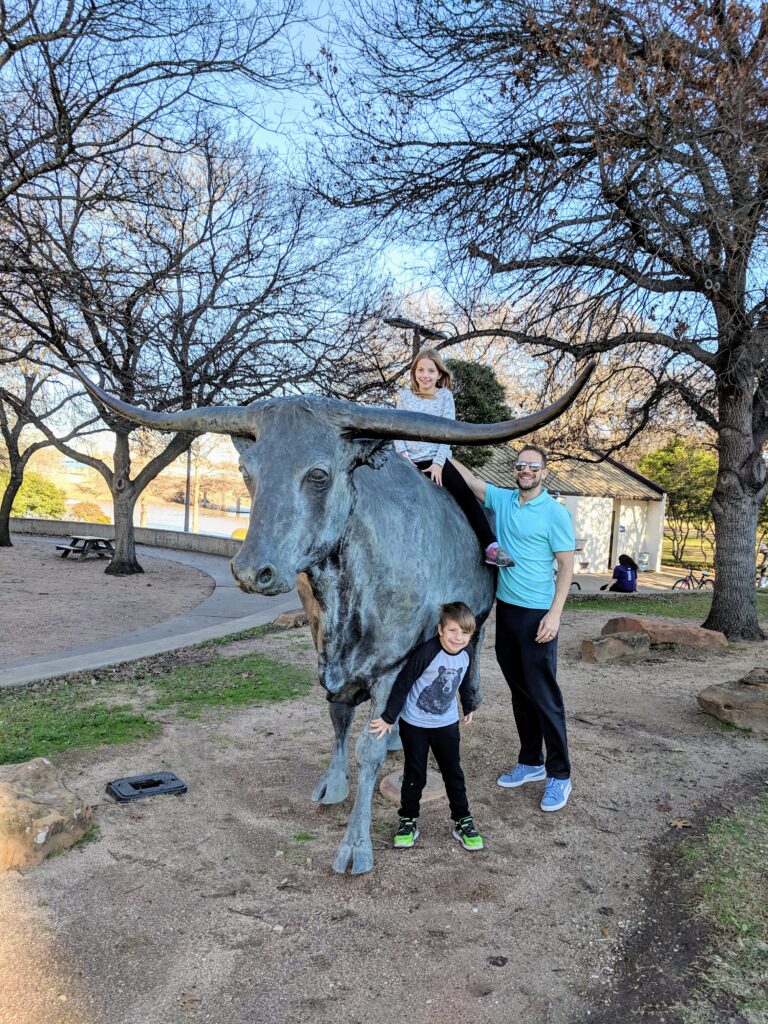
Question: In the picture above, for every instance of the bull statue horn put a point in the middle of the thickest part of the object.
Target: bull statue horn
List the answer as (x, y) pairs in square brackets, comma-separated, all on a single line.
[(357, 420), (215, 419), (416, 426)]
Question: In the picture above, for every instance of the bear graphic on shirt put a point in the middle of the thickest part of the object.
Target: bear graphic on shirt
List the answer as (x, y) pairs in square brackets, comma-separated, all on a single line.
[(437, 698)]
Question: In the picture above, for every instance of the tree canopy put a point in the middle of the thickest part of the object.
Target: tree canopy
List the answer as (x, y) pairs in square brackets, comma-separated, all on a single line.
[(603, 169)]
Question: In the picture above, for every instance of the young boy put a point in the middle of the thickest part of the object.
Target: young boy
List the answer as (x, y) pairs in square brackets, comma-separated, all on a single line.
[(424, 695)]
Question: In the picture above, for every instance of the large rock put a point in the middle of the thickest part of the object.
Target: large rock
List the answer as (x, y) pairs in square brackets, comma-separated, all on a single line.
[(616, 647), (743, 703), (665, 631), (298, 617), (756, 677), (38, 814)]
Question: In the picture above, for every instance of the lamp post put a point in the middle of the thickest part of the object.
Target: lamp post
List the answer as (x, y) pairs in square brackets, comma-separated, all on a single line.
[(419, 331), (187, 489)]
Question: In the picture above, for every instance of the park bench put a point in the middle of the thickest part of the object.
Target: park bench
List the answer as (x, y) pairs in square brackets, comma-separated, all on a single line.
[(83, 546)]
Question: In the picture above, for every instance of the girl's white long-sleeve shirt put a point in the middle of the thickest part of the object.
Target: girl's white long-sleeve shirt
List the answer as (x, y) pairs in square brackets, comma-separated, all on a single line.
[(440, 405)]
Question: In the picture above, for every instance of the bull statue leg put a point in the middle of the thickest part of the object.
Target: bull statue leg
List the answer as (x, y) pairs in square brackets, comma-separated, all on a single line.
[(356, 847), (333, 786)]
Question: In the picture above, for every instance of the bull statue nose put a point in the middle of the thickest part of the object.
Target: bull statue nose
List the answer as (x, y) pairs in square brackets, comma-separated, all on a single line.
[(262, 579), (265, 576)]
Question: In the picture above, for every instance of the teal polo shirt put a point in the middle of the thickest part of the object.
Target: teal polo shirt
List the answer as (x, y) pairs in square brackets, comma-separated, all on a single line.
[(531, 533)]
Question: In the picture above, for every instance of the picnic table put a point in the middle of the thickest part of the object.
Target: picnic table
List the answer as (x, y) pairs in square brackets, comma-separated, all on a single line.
[(82, 546)]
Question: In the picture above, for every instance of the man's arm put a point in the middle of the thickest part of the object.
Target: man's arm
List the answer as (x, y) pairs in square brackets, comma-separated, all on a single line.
[(476, 485), (550, 624)]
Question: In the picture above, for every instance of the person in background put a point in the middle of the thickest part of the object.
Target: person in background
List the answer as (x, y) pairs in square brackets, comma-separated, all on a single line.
[(624, 576)]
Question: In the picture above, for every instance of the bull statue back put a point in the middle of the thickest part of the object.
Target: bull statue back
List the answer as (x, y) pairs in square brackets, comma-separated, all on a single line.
[(379, 548)]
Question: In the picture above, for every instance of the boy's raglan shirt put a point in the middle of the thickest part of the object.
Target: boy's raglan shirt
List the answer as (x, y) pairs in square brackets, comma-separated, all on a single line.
[(424, 693)]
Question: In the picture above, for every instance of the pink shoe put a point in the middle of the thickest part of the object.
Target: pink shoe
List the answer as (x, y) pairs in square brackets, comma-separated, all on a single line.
[(496, 555)]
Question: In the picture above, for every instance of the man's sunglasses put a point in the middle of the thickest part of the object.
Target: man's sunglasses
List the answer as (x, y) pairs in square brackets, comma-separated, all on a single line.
[(533, 466)]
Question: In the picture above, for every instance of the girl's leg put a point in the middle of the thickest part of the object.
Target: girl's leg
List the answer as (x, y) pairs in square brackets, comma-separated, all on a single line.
[(445, 744), (456, 485), (416, 751)]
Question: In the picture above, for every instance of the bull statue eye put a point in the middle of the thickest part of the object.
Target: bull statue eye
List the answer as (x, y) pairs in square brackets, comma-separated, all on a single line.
[(318, 475)]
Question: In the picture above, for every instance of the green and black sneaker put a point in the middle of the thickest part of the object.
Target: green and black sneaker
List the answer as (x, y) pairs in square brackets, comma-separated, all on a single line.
[(406, 835), (467, 834)]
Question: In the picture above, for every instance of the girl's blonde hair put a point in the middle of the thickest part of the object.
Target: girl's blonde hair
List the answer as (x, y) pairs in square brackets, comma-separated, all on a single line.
[(443, 381)]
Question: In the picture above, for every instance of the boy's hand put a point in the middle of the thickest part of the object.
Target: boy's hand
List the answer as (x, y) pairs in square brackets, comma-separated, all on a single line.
[(379, 727), (466, 719), (435, 474)]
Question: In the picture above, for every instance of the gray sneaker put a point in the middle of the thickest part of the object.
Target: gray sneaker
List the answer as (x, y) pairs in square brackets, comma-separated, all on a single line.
[(521, 774)]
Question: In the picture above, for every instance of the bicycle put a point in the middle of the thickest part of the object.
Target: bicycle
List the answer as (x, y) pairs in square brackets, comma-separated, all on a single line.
[(761, 569), (692, 582)]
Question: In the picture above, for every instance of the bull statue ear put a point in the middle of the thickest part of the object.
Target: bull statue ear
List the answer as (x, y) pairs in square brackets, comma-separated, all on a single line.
[(371, 451), (241, 443)]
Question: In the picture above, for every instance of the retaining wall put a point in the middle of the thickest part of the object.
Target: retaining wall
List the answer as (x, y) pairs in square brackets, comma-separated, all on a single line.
[(174, 539)]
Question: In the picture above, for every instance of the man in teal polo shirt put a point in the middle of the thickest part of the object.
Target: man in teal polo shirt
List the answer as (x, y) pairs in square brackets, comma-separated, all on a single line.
[(537, 531)]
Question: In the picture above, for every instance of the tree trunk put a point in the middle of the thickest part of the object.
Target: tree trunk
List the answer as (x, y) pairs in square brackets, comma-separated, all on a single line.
[(124, 562), (734, 605), (14, 486), (735, 506)]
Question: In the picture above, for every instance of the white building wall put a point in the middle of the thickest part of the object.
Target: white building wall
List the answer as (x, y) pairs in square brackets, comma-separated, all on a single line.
[(630, 530), (608, 527), (592, 526)]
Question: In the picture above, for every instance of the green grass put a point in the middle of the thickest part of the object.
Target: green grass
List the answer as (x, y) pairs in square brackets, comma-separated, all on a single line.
[(729, 872), (245, 634), (229, 682), (73, 712), (669, 605), (35, 724)]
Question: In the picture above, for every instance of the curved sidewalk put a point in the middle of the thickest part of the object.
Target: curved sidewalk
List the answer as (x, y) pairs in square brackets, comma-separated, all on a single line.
[(226, 610)]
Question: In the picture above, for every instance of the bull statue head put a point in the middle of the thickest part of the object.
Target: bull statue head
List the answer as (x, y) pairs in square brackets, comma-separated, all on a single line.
[(297, 456)]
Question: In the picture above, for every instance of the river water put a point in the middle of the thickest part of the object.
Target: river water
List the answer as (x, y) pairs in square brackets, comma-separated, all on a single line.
[(170, 516)]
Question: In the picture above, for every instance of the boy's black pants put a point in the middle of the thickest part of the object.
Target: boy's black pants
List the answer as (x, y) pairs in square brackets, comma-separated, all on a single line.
[(530, 670), (444, 744), (457, 486)]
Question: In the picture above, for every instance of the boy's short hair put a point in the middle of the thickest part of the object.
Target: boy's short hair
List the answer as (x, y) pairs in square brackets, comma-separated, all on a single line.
[(458, 612)]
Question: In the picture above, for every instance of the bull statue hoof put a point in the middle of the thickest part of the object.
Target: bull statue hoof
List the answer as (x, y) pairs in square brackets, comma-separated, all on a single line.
[(332, 788), (358, 852)]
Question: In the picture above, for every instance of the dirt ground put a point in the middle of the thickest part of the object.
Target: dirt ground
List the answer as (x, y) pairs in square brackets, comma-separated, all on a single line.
[(221, 906), (54, 598)]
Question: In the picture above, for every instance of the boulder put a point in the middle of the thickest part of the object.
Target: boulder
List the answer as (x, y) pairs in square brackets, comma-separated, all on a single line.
[(756, 677), (742, 704), (38, 814), (615, 647), (390, 785), (288, 620), (665, 631)]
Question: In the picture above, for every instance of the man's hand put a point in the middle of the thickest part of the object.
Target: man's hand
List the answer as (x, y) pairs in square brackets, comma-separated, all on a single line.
[(548, 628)]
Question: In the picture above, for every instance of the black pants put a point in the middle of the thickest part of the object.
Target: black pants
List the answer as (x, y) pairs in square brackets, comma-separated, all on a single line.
[(457, 486), (444, 744), (530, 670)]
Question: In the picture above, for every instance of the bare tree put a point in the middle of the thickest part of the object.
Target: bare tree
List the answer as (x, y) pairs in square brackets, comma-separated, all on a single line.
[(30, 395), (606, 165), (180, 280), (82, 81)]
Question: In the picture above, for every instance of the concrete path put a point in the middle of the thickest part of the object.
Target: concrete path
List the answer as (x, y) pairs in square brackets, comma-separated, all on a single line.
[(227, 610)]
